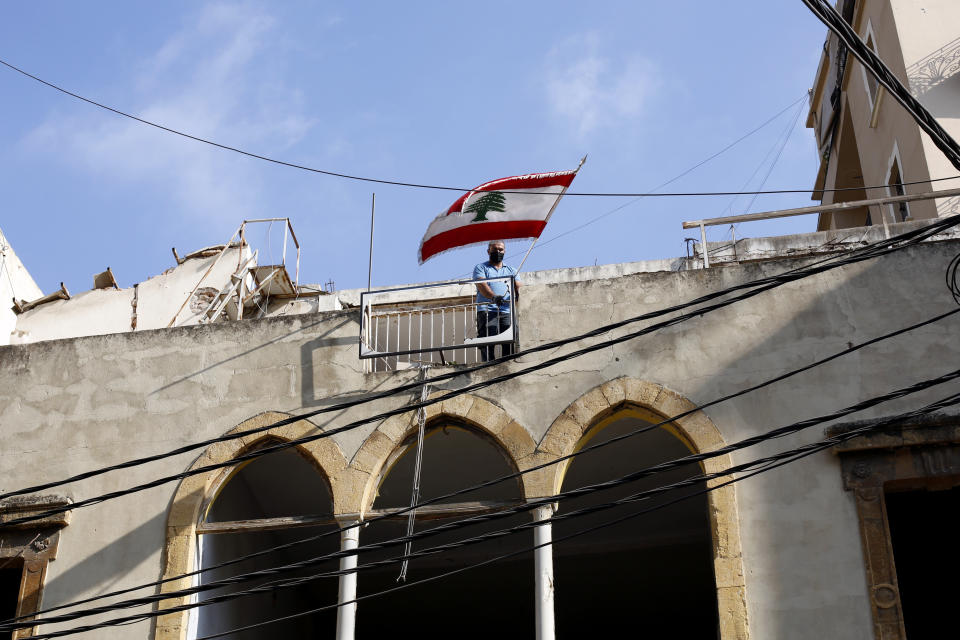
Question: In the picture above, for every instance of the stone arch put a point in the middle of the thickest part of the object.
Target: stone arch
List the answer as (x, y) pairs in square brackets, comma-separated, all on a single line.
[(653, 402), (194, 493), (487, 418)]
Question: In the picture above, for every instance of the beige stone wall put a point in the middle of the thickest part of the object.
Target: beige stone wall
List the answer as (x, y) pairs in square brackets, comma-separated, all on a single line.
[(787, 556), (920, 42), (929, 35), (353, 485), (891, 132)]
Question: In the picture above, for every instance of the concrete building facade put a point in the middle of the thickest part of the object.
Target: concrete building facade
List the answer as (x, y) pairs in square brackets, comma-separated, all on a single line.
[(793, 553), (844, 543), (15, 281), (865, 138)]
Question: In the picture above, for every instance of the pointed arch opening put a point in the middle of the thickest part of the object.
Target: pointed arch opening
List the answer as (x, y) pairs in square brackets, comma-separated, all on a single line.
[(279, 499), (495, 597), (655, 567), (624, 404)]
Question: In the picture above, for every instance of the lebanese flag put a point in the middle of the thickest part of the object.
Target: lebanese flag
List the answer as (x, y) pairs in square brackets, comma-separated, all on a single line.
[(506, 209)]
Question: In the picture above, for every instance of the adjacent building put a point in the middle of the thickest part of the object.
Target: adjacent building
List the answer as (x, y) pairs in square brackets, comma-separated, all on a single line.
[(852, 542), (864, 137)]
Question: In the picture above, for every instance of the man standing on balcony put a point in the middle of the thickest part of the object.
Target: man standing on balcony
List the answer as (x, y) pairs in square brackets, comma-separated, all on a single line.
[(493, 299)]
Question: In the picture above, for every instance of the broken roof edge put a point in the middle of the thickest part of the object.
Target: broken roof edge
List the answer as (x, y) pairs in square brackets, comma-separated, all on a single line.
[(212, 250), (23, 306)]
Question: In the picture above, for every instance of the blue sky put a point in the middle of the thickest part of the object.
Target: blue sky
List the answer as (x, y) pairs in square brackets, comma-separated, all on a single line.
[(441, 93)]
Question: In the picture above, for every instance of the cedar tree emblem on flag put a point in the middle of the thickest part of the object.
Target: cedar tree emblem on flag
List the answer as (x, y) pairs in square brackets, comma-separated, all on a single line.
[(492, 201), (506, 209)]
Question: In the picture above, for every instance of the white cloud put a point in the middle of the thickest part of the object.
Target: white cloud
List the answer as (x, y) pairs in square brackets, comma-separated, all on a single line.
[(590, 90), (211, 79)]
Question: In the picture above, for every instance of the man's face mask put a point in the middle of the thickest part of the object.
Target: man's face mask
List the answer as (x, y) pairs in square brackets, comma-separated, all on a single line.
[(496, 256)]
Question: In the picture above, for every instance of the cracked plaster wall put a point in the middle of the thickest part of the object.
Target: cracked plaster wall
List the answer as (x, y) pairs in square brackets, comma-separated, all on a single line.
[(67, 406)]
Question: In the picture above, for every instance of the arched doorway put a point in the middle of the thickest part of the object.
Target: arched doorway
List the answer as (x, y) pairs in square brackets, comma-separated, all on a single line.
[(489, 601), (652, 573), (270, 501)]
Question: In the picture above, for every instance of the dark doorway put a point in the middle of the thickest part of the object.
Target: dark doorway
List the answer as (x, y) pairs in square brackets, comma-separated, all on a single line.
[(924, 530), (492, 601), (284, 488), (652, 573), (11, 576)]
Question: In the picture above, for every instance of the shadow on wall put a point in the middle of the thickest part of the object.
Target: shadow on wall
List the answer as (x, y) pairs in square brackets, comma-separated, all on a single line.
[(100, 571), (268, 343), (315, 371), (935, 80), (800, 532)]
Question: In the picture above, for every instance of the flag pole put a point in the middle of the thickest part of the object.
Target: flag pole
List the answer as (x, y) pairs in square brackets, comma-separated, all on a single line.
[(373, 208), (550, 213)]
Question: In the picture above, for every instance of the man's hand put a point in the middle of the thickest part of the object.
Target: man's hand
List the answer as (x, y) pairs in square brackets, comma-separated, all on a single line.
[(498, 300), (484, 289)]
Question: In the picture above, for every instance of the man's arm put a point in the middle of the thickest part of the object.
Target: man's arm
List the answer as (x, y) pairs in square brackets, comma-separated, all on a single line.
[(482, 287), (485, 290)]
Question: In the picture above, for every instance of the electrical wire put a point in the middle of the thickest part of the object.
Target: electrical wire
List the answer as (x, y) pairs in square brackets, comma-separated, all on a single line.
[(953, 283), (955, 163), (768, 283), (778, 146), (789, 134), (652, 470), (591, 221), (785, 458), (491, 535), (926, 121), (764, 463), (358, 178), (516, 475), (875, 66), (663, 184)]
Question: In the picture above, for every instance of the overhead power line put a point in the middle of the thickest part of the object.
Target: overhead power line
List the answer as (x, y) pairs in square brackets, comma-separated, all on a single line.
[(623, 206), (756, 287), (397, 183), (766, 464), (870, 247), (763, 462), (778, 146), (511, 476), (776, 433), (683, 173)]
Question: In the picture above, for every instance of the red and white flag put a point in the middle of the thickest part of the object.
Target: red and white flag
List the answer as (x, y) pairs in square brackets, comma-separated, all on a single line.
[(506, 209)]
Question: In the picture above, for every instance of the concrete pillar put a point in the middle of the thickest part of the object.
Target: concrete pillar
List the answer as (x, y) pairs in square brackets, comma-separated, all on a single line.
[(347, 613), (543, 566)]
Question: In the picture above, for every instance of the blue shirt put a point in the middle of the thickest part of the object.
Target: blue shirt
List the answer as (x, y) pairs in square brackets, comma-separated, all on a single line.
[(499, 287)]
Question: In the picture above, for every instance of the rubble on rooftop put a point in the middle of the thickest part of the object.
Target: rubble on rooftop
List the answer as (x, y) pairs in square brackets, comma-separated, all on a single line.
[(223, 283)]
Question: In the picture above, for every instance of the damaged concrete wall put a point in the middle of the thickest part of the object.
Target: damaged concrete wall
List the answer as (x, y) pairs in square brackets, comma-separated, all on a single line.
[(149, 305), (15, 282), (89, 313), (160, 297), (99, 400)]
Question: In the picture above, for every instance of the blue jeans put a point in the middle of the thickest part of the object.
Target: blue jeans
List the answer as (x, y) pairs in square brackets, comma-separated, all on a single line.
[(491, 323)]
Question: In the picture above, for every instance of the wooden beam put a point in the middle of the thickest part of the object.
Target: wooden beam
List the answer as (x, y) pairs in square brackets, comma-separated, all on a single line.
[(428, 512), (266, 524)]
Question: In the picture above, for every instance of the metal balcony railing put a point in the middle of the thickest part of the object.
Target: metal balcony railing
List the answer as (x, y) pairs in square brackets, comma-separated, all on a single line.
[(436, 323)]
